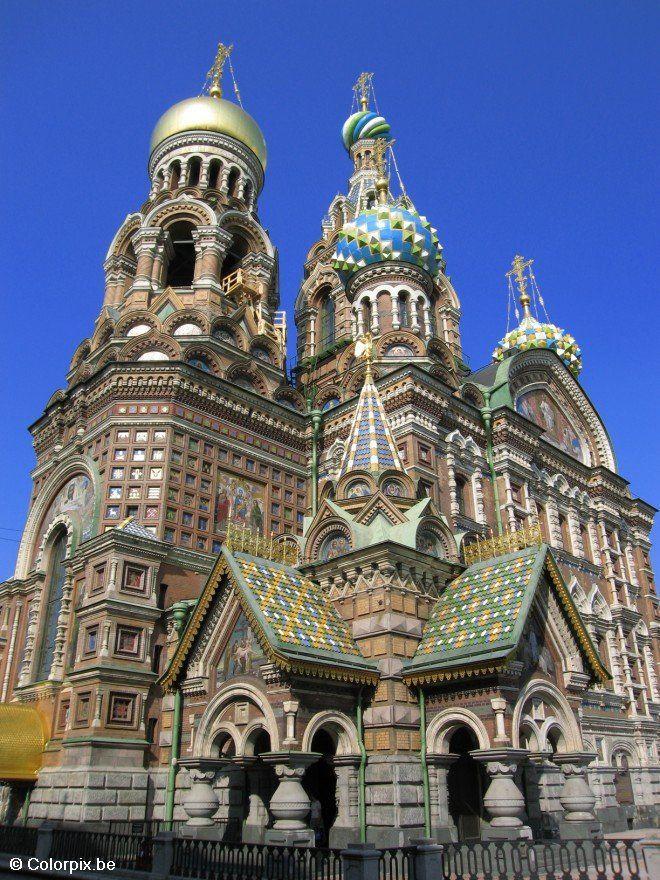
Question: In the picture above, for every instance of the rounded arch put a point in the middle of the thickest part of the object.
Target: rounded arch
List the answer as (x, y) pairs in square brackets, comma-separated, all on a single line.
[(247, 377), (122, 242), (183, 317), (80, 354), (339, 727), (290, 398), (319, 543), (224, 740), (443, 725), (202, 357), (134, 349), (183, 208), (433, 528), (243, 223), (563, 718), (209, 722), (622, 747), (77, 464), (137, 319), (225, 330), (395, 342), (252, 735)]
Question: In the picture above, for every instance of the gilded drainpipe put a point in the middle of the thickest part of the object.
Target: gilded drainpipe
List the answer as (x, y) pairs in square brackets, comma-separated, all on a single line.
[(425, 767), (487, 416), (317, 417), (362, 799), (179, 613)]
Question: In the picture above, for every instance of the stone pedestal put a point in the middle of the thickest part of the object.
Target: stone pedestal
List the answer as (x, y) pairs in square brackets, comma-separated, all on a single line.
[(343, 832), (201, 802), (443, 828), (290, 804), (503, 799), (576, 798)]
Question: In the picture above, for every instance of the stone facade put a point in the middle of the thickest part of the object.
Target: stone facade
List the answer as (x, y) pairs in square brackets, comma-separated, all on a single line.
[(179, 417)]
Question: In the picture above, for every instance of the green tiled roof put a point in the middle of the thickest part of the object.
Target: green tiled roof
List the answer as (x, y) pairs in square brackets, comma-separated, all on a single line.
[(480, 617), (297, 625)]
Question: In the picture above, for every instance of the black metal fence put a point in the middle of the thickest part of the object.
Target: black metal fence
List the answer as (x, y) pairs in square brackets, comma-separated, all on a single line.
[(18, 840), (132, 852), (205, 859), (566, 860)]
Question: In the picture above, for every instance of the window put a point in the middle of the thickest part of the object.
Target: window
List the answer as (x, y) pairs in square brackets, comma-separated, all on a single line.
[(462, 495), (139, 454), (169, 536), (157, 454), (121, 709), (135, 578), (202, 523), (112, 512), (160, 436), (121, 454), (114, 492), (181, 265), (64, 714), (91, 640), (404, 309), (516, 494), (327, 322), (122, 436), (83, 703), (127, 641), (187, 518), (193, 444), (98, 577), (142, 436), (424, 453), (565, 533)]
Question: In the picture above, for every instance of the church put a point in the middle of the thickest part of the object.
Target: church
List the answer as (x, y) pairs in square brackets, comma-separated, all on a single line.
[(365, 594)]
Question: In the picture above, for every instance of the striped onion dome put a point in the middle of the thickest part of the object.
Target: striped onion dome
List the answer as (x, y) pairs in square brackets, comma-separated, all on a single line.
[(364, 124)]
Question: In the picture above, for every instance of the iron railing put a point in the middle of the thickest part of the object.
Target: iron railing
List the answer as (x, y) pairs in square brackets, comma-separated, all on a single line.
[(18, 840), (397, 863), (551, 860), (132, 852), (207, 859)]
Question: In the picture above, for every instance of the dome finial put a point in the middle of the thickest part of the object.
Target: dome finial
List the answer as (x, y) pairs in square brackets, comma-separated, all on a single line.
[(382, 181), (214, 76), (362, 88), (517, 269)]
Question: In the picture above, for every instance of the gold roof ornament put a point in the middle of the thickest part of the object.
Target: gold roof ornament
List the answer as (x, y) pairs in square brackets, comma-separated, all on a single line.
[(517, 271), (22, 741), (362, 89), (380, 147), (212, 112)]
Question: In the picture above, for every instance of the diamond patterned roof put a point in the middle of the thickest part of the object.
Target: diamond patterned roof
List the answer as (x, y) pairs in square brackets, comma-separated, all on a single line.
[(295, 607), (370, 444), (481, 615), (532, 334)]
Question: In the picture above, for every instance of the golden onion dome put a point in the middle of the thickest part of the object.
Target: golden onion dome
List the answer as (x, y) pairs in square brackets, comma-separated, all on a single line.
[(210, 113)]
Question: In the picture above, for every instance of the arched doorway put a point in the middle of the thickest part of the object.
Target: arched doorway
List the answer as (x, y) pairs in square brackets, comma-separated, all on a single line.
[(259, 785), (466, 784), (320, 783)]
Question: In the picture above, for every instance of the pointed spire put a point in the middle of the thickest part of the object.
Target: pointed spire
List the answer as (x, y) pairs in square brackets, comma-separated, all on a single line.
[(370, 446)]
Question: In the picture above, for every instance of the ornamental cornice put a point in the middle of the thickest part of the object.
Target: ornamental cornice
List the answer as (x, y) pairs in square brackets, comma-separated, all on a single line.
[(207, 139)]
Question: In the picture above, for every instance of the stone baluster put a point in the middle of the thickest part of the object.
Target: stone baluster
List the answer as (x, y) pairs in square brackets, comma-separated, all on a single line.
[(290, 708), (396, 320), (428, 324), (375, 318), (290, 804), (478, 490), (503, 799), (577, 798), (574, 529), (414, 316), (57, 666), (30, 636)]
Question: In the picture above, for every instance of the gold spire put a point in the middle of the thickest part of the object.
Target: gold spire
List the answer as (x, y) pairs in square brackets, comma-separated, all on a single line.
[(362, 88), (215, 73), (382, 183), (518, 271)]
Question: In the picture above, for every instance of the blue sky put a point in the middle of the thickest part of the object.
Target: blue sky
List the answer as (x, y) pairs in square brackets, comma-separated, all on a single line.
[(521, 127)]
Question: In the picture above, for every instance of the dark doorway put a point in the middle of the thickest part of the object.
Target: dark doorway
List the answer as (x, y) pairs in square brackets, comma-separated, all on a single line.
[(466, 783), (622, 782), (320, 783)]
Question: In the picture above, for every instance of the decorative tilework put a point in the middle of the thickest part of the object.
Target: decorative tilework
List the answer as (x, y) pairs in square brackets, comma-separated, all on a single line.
[(295, 607), (370, 445), (481, 607)]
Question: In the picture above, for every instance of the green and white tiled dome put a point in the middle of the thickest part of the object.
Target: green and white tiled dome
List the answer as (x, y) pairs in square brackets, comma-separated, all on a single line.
[(532, 334)]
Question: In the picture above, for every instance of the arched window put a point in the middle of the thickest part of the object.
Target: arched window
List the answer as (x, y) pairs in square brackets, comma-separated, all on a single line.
[(327, 322), (367, 313), (404, 309), (232, 182), (55, 591), (247, 194), (214, 173), (175, 175), (194, 170), (181, 266)]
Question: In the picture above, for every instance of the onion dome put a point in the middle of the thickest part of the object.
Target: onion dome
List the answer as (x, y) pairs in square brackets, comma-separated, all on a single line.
[(532, 334), (364, 124), (387, 232), (209, 113), (212, 112)]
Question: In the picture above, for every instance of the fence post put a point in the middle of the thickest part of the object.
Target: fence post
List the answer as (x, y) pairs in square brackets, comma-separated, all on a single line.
[(428, 858), (360, 861), (44, 844), (651, 850), (162, 854)]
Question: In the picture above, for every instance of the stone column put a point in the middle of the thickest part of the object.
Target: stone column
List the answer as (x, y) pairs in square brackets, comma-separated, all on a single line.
[(201, 801), (442, 824), (414, 316), (145, 242), (576, 798), (290, 709), (257, 817), (290, 804), (428, 329), (503, 799), (30, 636), (499, 708), (396, 323), (375, 317), (211, 246), (344, 830)]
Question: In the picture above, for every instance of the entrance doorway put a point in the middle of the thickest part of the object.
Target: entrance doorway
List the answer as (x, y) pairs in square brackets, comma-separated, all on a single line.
[(622, 781), (466, 784), (320, 783)]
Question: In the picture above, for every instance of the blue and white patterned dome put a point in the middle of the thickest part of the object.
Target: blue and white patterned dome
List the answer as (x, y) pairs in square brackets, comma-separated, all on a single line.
[(364, 124), (387, 232)]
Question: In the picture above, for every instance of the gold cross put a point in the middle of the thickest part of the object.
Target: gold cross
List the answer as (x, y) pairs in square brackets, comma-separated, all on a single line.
[(361, 89), (215, 73)]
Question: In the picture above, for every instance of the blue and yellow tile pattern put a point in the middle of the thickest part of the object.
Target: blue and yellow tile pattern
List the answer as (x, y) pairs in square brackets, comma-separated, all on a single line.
[(370, 444)]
